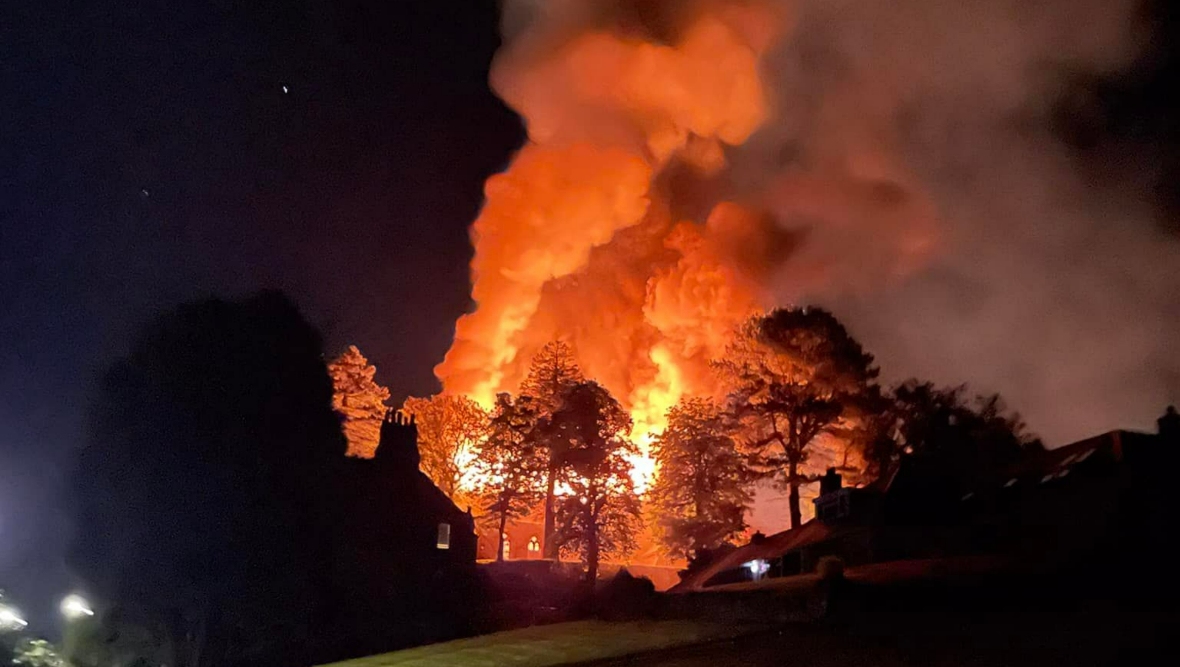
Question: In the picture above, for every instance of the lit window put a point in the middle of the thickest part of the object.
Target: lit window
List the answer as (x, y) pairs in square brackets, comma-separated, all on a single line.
[(534, 544), (444, 536)]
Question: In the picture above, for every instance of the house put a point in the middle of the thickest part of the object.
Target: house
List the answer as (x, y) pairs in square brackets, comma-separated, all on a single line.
[(403, 560), (1094, 503)]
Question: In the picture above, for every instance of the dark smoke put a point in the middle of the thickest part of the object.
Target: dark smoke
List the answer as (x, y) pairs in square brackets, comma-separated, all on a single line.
[(1050, 277)]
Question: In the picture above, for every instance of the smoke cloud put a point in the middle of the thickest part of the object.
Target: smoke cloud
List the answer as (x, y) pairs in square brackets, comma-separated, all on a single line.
[(1048, 282), (900, 163)]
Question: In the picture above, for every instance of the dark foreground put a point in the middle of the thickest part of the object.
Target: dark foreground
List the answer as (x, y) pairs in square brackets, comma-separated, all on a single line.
[(1076, 638)]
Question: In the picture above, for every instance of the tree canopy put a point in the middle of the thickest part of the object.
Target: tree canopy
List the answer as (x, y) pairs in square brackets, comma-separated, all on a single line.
[(793, 375), (553, 372), (965, 439), (359, 400), (197, 493), (450, 431), (703, 488), (514, 468), (600, 513)]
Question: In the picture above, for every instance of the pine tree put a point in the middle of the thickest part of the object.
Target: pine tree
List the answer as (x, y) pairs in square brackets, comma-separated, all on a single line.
[(451, 430), (552, 372), (703, 489), (600, 514), (514, 467), (359, 400), (794, 376)]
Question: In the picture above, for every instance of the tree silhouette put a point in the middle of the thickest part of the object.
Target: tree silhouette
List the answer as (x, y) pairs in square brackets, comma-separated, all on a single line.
[(703, 488), (199, 493), (359, 400), (793, 374), (515, 468), (965, 440), (600, 513), (552, 372), (450, 431)]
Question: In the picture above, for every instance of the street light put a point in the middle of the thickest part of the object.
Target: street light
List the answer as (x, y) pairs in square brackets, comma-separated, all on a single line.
[(10, 618), (74, 606)]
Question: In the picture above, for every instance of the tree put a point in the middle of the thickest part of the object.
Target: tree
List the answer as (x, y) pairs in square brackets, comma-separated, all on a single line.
[(359, 400), (793, 374), (963, 441), (552, 372), (37, 653), (514, 467), (451, 429), (703, 489), (600, 513), (198, 498)]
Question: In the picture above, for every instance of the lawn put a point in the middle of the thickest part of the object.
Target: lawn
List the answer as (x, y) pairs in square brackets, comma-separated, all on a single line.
[(560, 644)]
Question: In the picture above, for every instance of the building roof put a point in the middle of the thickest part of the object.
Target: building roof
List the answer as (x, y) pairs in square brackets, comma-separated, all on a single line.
[(766, 549), (1050, 464)]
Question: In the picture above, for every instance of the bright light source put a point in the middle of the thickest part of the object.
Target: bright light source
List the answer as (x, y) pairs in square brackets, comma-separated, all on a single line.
[(757, 568), (75, 606), (10, 618)]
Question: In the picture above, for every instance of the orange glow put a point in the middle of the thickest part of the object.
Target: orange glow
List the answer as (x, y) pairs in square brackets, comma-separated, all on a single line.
[(577, 240)]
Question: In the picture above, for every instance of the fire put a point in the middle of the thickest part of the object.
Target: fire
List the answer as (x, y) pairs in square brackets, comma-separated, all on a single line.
[(583, 238)]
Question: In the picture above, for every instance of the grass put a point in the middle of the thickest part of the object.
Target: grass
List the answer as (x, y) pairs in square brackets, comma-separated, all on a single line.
[(541, 646)]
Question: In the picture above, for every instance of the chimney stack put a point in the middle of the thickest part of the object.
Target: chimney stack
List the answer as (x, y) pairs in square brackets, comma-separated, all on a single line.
[(830, 482)]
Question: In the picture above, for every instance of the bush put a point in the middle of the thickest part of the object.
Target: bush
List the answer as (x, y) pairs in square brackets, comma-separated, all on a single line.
[(830, 568), (625, 597)]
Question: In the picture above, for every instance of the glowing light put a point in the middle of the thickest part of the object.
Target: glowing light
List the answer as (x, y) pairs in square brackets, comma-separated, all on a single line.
[(757, 568), (10, 618), (75, 606)]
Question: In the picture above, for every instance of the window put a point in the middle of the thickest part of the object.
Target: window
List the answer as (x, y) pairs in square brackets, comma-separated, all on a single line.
[(534, 545), (507, 546), (444, 536)]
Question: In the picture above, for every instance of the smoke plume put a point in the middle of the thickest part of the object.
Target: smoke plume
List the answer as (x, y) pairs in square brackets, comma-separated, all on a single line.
[(689, 162)]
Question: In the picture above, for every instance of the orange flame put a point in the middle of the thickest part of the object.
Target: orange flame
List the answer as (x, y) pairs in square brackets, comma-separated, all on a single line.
[(578, 239)]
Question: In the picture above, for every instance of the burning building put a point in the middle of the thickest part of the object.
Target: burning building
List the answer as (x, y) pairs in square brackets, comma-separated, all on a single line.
[(628, 225)]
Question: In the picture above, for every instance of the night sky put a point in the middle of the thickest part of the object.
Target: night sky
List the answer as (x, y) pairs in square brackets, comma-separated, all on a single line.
[(149, 155), (152, 153)]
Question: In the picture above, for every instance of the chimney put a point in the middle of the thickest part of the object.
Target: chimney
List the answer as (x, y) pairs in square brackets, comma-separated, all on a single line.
[(1169, 425), (831, 482)]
